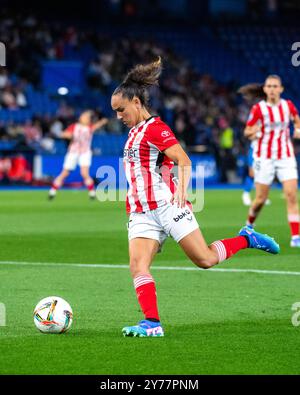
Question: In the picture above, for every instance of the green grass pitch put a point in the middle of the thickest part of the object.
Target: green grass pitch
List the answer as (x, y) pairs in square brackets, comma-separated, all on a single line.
[(215, 322)]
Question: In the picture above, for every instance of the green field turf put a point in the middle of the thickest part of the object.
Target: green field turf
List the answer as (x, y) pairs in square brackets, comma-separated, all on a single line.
[(215, 322)]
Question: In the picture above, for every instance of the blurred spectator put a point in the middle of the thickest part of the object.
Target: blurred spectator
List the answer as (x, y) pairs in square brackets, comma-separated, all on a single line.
[(56, 128), (228, 162), (32, 133), (8, 99), (190, 102), (21, 100), (3, 77)]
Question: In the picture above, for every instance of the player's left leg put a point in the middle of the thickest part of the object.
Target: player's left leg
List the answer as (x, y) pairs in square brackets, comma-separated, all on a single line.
[(206, 256), (88, 181), (183, 227), (261, 196), (290, 189)]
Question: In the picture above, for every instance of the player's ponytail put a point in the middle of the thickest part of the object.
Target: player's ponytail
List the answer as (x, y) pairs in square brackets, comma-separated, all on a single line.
[(251, 92), (138, 80)]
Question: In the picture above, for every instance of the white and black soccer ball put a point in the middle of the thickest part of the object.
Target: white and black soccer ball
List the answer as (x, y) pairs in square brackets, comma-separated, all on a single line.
[(53, 315)]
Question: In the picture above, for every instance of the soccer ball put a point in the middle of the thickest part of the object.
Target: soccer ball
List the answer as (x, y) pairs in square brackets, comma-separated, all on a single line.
[(53, 315)]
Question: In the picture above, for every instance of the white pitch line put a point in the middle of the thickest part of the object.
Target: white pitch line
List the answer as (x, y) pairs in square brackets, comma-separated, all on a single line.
[(110, 266)]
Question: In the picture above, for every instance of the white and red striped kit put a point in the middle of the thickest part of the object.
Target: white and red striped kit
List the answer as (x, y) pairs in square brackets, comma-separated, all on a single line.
[(82, 136), (275, 142), (149, 187)]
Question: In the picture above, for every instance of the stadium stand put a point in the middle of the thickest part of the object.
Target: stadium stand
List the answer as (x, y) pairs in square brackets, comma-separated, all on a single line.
[(69, 68)]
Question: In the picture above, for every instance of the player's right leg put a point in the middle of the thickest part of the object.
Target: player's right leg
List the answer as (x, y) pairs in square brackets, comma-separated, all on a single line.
[(141, 253), (70, 163), (57, 183), (88, 181), (85, 161), (290, 189), (146, 237)]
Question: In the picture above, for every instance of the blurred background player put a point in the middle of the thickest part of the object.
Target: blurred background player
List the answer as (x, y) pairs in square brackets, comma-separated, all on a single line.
[(268, 127), (79, 151), (251, 93), (158, 207)]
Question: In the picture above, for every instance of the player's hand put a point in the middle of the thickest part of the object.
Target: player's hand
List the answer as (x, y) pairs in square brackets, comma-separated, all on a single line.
[(254, 132), (297, 133), (179, 198)]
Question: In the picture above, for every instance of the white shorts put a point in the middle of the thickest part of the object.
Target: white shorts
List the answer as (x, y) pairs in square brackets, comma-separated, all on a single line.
[(158, 224), (73, 158), (265, 170)]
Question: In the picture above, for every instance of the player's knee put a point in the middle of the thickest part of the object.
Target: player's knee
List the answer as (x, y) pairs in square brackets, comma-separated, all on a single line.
[(204, 262), (65, 174), (137, 266), (291, 197), (261, 199)]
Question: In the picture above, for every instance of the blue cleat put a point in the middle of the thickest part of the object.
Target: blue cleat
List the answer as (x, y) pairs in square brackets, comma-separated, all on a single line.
[(143, 329), (260, 241), (295, 242)]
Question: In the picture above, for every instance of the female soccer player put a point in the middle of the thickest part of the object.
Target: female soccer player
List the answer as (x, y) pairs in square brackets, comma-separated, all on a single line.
[(268, 127), (157, 207), (79, 152)]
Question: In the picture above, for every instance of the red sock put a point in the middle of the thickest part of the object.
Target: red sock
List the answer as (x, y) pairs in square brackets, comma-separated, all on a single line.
[(251, 217), (146, 294), (54, 186), (90, 187), (294, 224), (228, 247)]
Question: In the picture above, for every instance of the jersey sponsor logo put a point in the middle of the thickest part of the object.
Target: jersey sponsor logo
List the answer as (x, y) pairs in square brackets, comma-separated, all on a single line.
[(274, 125), (130, 153), (165, 133), (184, 214)]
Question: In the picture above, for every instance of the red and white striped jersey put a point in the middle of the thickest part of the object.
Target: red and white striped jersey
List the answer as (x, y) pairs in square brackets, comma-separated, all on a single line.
[(147, 168), (82, 136), (275, 141)]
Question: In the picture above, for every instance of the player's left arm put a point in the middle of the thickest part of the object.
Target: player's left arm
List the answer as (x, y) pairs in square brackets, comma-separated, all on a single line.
[(178, 155), (99, 124), (295, 119)]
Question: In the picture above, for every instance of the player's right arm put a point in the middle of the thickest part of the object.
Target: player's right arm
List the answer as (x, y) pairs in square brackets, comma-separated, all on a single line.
[(253, 126), (68, 133)]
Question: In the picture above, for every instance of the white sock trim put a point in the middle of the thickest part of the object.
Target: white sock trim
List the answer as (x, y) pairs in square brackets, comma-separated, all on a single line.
[(142, 280), (221, 250), (293, 218)]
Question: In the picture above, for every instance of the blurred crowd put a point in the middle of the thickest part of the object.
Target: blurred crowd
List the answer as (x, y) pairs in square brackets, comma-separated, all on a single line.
[(205, 115)]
